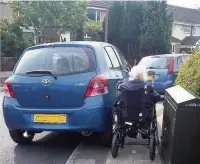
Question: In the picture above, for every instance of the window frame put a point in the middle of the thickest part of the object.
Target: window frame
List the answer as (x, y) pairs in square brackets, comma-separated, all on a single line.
[(173, 48), (108, 57), (113, 68), (96, 11), (123, 58), (186, 29)]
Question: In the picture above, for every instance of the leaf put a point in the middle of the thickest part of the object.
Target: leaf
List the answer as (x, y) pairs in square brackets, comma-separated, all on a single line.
[(65, 15)]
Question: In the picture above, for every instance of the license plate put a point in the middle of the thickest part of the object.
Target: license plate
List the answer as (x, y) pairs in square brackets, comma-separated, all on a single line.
[(150, 77), (50, 118)]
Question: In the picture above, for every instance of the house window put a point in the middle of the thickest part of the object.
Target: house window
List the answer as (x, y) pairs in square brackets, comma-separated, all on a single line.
[(186, 29), (98, 15), (94, 14), (197, 31), (173, 48)]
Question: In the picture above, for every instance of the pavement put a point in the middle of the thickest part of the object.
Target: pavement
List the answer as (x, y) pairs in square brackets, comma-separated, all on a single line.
[(71, 148)]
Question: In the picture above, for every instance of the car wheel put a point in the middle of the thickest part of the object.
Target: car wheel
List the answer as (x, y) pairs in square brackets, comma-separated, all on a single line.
[(19, 137), (106, 137)]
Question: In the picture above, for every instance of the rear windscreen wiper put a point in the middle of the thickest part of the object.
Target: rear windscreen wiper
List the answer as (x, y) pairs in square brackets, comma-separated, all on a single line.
[(151, 67), (48, 72)]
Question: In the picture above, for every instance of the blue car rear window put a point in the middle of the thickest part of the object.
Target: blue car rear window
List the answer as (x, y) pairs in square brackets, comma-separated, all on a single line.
[(59, 60), (155, 62)]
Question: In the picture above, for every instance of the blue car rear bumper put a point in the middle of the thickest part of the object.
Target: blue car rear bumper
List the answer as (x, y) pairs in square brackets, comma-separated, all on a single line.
[(160, 87), (93, 117)]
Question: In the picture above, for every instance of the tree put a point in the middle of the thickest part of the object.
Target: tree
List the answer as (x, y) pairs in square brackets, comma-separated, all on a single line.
[(65, 15), (114, 18), (140, 28), (93, 29), (12, 41), (130, 26), (156, 27)]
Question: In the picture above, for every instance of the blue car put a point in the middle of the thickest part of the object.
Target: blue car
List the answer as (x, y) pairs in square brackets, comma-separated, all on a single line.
[(63, 87), (165, 68)]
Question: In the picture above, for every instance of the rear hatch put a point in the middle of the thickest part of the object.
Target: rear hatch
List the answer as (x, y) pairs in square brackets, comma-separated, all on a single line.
[(157, 64), (54, 77)]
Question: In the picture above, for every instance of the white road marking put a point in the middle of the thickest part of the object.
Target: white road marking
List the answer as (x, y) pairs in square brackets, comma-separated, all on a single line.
[(84, 161), (74, 154)]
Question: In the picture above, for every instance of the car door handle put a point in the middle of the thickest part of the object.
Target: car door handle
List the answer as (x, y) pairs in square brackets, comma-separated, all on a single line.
[(117, 75)]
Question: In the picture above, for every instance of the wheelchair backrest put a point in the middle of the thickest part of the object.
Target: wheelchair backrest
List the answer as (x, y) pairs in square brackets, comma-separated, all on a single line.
[(133, 98)]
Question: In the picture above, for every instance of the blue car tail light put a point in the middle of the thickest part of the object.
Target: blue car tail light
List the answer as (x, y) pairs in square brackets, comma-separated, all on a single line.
[(97, 86), (8, 91), (171, 65)]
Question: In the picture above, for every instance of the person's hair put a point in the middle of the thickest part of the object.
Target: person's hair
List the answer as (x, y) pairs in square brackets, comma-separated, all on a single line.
[(138, 73)]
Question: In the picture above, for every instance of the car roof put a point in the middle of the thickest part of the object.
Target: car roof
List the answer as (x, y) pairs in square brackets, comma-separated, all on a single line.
[(167, 55), (75, 43)]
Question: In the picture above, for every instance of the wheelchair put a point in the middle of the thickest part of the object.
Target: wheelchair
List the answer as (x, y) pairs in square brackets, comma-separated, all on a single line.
[(134, 113)]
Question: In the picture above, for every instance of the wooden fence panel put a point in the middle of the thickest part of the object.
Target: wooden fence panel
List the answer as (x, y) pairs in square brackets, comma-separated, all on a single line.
[(8, 63)]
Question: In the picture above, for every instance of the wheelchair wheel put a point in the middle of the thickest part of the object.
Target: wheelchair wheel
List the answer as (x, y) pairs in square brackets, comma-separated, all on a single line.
[(115, 145), (115, 120), (152, 151)]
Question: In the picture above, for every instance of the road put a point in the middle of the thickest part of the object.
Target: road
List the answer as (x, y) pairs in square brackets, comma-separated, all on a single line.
[(65, 148), (47, 148)]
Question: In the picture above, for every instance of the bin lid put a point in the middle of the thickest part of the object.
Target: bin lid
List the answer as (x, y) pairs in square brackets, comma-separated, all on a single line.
[(182, 98)]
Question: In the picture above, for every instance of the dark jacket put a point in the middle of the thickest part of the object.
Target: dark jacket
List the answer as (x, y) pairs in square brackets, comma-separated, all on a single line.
[(137, 84)]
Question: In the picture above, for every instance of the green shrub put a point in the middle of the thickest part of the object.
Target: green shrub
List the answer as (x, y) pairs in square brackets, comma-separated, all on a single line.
[(12, 41), (189, 74), (93, 29)]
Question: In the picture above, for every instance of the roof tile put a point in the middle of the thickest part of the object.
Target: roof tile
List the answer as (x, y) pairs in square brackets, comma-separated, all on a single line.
[(186, 15), (181, 14), (190, 40)]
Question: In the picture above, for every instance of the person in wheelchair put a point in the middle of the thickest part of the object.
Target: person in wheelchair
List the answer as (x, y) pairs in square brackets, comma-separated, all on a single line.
[(134, 92), (134, 111), (137, 80)]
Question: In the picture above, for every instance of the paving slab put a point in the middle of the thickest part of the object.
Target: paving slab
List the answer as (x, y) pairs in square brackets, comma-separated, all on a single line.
[(134, 152)]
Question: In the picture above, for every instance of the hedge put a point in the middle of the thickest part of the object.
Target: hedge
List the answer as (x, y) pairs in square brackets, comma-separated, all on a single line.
[(189, 74)]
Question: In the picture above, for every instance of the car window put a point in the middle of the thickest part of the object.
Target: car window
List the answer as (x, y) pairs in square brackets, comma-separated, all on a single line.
[(181, 59), (113, 57), (59, 60), (184, 57), (125, 64), (107, 59), (155, 62), (179, 62)]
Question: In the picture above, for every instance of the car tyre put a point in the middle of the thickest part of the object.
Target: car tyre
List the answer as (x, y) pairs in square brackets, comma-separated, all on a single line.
[(18, 137), (106, 137)]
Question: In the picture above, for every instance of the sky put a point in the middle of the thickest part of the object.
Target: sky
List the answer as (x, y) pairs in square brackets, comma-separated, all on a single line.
[(185, 3)]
